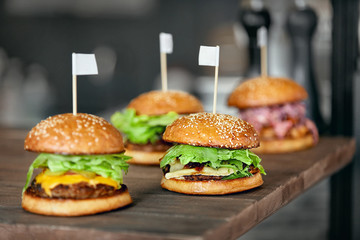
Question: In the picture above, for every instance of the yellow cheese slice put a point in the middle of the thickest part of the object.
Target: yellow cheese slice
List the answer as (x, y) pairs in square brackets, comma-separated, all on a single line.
[(49, 182), (208, 171)]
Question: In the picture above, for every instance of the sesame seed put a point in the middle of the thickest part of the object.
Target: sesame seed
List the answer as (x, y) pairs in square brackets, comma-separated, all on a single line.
[(77, 128), (221, 130)]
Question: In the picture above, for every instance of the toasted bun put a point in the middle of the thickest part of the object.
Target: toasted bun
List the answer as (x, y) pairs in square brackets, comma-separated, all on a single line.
[(159, 102), (144, 158), (260, 92), (212, 187), (285, 145), (74, 134), (73, 207), (212, 130)]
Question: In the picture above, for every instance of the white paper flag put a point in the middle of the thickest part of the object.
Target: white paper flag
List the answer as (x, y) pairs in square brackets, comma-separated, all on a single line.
[(209, 56), (262, 37), (166, 43), (84, 64)]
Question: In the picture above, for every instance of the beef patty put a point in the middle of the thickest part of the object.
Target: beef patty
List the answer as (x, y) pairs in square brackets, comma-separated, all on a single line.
[(80, 190)]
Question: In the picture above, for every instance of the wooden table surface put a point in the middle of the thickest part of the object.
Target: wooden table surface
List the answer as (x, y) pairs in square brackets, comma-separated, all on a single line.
[(160, 214)]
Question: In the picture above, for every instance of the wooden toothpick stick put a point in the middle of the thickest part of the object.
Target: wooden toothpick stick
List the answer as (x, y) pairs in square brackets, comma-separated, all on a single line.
[(74, 89), (215, 88), (163, 71)]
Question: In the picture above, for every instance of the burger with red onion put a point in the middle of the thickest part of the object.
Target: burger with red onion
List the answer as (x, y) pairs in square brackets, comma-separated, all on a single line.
[(275, 107)]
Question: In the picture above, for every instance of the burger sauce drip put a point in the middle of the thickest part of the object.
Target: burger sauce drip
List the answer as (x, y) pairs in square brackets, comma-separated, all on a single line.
[(197, 166)]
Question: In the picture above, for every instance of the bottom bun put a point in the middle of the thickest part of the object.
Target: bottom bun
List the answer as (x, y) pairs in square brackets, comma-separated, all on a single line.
[(285, 145), (144, 158), (212, 187), (74, 207)]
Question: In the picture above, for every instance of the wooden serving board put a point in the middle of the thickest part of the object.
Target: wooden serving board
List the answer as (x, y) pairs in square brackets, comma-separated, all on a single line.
[(159, 214)]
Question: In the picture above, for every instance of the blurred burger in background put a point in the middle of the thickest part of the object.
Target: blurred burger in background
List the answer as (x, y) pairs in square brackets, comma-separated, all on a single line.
[(144, 120), (82, 160), (275, 107)]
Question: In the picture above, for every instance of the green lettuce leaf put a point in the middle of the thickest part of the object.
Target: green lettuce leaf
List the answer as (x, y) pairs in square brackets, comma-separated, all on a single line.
[(109, 165), (239, 160), (142, 129)]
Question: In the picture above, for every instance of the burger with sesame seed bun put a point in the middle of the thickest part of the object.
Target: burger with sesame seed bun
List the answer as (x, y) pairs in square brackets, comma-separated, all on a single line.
[(144, 121), (275, 107), (82, 159), (211, 155)]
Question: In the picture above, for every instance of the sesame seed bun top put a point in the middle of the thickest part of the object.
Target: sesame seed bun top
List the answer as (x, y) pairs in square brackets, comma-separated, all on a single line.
[(266, 91), (159, 102), (212, 130), (74, 135)]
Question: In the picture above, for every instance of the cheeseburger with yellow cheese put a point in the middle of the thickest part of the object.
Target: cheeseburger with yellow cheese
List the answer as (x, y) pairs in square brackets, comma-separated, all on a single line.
[(81, 158)]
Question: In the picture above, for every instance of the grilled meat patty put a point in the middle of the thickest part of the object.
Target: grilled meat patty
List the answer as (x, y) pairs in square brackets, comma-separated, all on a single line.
[(202, 177), (75, 191)]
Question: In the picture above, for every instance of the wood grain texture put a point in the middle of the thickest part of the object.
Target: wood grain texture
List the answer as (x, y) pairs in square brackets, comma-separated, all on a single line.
[(160, 214)]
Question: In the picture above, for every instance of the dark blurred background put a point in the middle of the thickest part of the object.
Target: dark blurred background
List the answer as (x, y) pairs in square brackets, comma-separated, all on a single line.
[(124, 35), (37, 38)]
